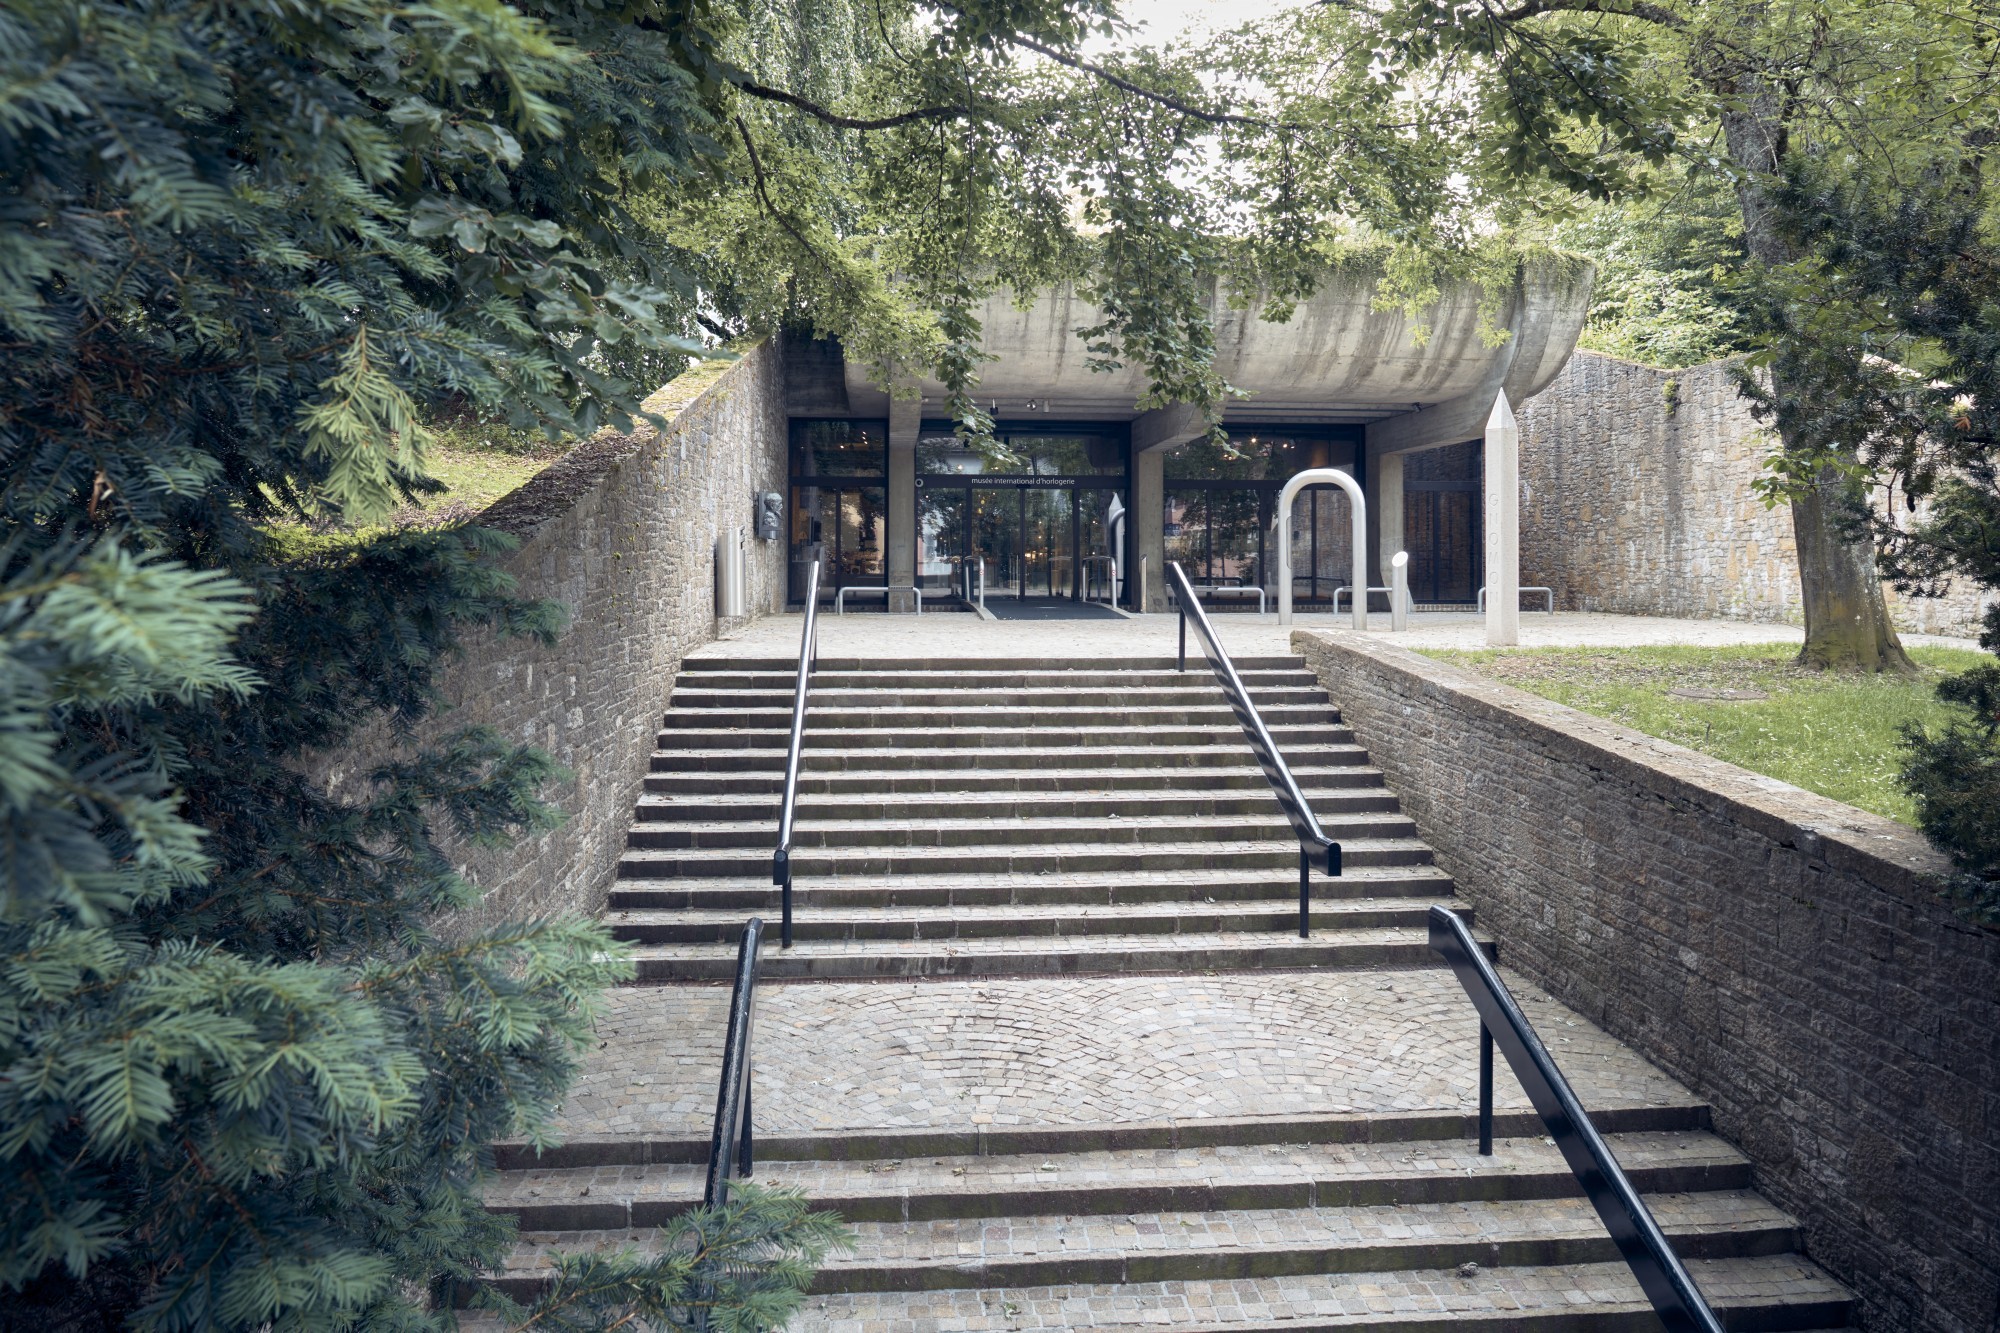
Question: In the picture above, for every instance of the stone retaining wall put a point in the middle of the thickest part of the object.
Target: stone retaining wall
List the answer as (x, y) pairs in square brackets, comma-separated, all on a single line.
[(1781, 953), (622, 531), (1636, 497)]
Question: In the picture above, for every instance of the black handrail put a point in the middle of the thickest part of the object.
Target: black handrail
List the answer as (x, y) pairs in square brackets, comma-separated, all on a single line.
[(1639, 1239), (730, 1151), (781, 860), (1312, 839)]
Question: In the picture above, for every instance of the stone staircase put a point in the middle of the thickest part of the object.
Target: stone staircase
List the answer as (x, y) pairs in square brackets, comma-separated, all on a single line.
[(1066, 1063)]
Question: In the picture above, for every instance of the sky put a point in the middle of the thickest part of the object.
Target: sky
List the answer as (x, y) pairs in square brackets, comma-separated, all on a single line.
[(1164, 19)]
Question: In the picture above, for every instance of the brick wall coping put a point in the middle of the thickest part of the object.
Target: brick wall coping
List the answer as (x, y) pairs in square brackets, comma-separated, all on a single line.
[(1887, 855), (555, 490)]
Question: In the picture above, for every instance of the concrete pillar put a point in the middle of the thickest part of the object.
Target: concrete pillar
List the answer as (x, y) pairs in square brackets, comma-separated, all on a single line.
[(1149, 525), (1503, 526), (1385, 511), (905, 415)]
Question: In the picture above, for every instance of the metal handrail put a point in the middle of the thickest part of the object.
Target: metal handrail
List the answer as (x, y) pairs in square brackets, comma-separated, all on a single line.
[(781, 860), (1638, 1237), (1312, 839), (730, 1151)]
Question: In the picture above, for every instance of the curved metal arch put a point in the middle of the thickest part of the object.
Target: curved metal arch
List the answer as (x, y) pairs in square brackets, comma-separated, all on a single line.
[(1282, 522)]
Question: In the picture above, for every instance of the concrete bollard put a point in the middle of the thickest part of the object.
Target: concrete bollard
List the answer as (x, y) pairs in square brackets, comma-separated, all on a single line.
[(1399, 592)]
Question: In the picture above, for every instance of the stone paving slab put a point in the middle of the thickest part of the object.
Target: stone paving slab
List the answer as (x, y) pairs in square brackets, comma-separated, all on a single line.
[(1181, 1245), (1041, 920), (1001, 957), (1077, 1050), (885, 637), (1287, 1175), (1498, 1297), (1223, 880)]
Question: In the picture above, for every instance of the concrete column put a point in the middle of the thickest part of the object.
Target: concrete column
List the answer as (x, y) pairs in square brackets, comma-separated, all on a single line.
[(1149, 472), (1385, 511), (1503, 526), (905, 414)]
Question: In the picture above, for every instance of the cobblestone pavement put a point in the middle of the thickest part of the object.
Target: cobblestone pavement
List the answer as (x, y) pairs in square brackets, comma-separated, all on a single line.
[(1074, 1050), (875, 635)]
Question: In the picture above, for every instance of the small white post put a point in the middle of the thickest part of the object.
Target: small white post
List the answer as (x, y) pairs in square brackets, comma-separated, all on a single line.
[(1399, 591), (1114, 528), (1503, 526)]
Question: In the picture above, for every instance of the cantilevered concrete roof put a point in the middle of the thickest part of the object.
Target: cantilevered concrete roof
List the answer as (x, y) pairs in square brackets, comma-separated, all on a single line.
[(1339, 359)]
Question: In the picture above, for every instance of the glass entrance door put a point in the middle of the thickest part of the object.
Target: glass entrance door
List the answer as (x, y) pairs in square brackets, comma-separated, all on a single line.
[(995, 533), (1048, 542), (1032, 539)]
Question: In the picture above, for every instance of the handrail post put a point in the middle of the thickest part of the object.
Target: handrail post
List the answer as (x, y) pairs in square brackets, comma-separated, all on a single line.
[(1641, 1243), (783, 875), (1305, 824), (1485, 1090), (1305, 894), (730, 1145), (781, 857)]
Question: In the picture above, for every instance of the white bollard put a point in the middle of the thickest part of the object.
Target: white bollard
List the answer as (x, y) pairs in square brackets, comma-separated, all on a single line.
[(1399, 592), (1503, 526)]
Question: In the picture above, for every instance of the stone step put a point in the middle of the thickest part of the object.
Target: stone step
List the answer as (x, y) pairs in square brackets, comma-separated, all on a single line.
[(1197, 676), (1123, 695), (1763, 1294), (1210, 1179), (1418, 1135), (1077, 801), (1211, 714), (1109, 830), (723, 925), (1188, 1245), (891, 782), (755, 893), (1132, 858), (1188, 763), (1017, 956), (947, 733), (1118, 667)]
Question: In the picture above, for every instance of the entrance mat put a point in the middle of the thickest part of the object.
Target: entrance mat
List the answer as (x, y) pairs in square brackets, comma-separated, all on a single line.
[(1047, 608)]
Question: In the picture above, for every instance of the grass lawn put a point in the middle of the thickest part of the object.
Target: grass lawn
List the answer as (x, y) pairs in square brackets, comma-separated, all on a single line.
[(1833, 734)]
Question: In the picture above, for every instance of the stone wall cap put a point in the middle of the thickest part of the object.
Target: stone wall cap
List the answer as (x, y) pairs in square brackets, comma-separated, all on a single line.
[(1881, 851), (557, 488)]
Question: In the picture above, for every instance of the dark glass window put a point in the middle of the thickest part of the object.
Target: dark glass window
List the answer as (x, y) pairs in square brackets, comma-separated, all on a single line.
[(840, 448), (1251, 454), (1030, 454)]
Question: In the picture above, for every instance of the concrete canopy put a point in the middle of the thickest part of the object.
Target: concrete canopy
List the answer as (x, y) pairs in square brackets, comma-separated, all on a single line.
[(1339, 359)]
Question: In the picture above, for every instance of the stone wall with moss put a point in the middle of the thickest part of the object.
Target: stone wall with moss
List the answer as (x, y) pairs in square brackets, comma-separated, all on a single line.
[(622, 531), (1637, 496)]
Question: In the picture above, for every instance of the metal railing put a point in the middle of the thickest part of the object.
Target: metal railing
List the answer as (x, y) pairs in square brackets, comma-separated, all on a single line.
[(731, 1150), (877, 590), (1549, 593), (1638, 1237), (1312, 839), (781, 860)]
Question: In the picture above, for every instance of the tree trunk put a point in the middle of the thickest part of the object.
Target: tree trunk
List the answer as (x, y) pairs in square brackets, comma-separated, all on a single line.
[(1847, 617)]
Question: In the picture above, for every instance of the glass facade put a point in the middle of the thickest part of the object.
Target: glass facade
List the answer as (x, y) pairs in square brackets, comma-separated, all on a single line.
[(1443, 524), (840, 503), (1034, 510), (1219, 508)]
